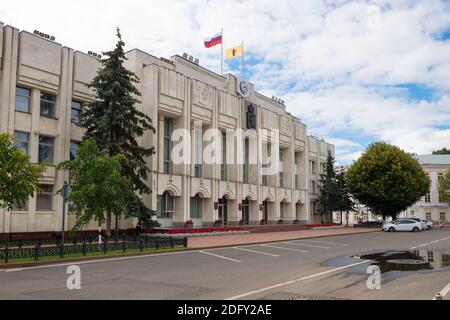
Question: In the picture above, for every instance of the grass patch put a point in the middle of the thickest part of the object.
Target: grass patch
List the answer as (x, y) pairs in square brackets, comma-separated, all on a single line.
[(79, 256)]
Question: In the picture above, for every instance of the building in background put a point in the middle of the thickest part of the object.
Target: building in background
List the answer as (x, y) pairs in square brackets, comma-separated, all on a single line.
[(432, 206), (43, 90)]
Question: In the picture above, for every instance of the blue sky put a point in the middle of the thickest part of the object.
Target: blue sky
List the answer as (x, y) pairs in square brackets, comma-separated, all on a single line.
[(353, 71)]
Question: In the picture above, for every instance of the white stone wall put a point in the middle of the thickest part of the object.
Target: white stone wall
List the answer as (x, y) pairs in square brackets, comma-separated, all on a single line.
[(175, 89)]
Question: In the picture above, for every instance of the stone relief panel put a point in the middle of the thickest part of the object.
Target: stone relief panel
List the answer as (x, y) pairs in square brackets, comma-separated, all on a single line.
[(285, 125), (203, 95)]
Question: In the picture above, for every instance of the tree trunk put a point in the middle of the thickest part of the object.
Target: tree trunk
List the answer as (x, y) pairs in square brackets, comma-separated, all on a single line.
[(341, 218), (108, 224)]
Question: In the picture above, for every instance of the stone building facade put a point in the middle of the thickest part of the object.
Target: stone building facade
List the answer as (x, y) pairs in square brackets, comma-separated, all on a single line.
[(43, 89)]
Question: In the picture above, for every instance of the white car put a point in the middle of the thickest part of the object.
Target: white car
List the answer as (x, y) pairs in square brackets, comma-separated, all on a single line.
[(426, 225), (403, 225)]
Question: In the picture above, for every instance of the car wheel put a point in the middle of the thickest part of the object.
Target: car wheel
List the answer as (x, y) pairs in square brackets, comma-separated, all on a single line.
[(428, 228), (391, 229), (415, 229)]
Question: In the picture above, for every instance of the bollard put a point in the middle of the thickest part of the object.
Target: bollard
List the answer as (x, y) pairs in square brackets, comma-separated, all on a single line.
[(123, 245), (141, 245), (84, 248), (171, 242), (185, 242), (105, 249), (157, 243)]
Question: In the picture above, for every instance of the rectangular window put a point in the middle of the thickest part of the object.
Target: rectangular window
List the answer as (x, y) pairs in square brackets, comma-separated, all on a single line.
[(75, 112), (442, 216), (74, 146), (246, 159), (440, 176), (22, 141), (165, 206), (196, 207), (428, 197), (223, 166), (168, 129), (198, 151), (428, 215), (297, 182), (313, 187), (48, 102), (44, 201), (46, 148), (23, 98)]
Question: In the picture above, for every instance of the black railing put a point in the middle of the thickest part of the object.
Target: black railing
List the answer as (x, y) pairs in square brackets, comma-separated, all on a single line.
[(36, 249)]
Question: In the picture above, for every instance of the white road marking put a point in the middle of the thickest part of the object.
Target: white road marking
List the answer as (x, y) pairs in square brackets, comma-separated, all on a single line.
[(296, 280), (219, 256), (428, 243), (307, 245), (99, 261), (254, 251), (326, 242), (283, 248), (445, 291)]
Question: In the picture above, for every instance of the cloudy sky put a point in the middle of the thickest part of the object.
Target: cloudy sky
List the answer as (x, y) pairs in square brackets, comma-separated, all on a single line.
[(353, 71)]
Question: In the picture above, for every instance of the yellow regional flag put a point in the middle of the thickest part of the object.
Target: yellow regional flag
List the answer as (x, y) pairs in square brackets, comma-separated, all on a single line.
[(234, 52)]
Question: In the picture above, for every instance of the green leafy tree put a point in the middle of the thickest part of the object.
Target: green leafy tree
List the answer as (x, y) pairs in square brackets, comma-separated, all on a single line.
[(98, 188), (387, 179), (345, 202), (115, 124), (444, 186), (329, 196), (442, 151), (19, 179)]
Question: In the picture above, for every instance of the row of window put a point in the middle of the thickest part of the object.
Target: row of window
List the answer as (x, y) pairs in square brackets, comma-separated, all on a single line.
[(427, 197), (167, 161), (47, 104), (442, 216), (46, 146)]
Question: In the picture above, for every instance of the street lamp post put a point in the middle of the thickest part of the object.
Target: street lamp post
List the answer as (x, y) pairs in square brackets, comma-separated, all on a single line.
[(65, 194)]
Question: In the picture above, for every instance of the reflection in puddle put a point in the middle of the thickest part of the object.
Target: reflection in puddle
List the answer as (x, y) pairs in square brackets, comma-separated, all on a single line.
[(409, 260)]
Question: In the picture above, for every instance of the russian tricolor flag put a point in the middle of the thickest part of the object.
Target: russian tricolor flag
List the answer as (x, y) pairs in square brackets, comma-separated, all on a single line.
[(213, 41)]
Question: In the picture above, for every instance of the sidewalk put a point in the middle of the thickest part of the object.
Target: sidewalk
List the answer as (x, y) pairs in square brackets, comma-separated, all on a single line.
[(253, 238)]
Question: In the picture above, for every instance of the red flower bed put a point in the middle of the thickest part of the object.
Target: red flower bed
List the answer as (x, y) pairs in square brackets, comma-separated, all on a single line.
[(193, 230)]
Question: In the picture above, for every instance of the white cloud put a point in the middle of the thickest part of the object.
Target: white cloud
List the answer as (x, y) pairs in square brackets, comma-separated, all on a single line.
[(335, 74)]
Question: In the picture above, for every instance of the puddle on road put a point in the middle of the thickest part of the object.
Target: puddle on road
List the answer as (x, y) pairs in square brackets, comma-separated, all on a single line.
[(416, 260)]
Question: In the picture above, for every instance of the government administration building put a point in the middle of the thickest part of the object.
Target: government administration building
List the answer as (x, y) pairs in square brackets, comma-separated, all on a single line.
[(43, 90)]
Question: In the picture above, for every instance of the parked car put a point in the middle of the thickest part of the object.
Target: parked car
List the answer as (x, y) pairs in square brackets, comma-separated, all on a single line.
[(369, 224), (403, 225), (426, 225)]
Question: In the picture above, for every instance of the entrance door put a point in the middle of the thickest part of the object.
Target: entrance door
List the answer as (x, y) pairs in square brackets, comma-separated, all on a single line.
[(223, 212), (265, 211), (246, 211)]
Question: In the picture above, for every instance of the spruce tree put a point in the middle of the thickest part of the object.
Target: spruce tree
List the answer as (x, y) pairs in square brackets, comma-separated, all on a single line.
[(113, 121), (329, 196), (345, 201)]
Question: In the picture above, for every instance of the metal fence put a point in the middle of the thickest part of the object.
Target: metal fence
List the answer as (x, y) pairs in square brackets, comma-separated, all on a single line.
[(36, 249)]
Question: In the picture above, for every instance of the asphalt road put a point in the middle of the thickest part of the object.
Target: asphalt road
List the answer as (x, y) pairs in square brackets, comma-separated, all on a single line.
[(319, 268)]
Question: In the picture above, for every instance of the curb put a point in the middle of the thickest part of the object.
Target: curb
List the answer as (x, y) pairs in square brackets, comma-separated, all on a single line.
[(56, 262), (279, 241)]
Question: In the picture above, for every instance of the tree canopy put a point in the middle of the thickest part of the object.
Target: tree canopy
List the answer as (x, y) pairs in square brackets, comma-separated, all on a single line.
[(387, 179), (442, 151), (19, 179), (98, 186), (113, 121)]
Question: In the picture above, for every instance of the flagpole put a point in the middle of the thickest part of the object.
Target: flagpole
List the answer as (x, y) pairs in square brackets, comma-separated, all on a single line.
[(221, 56)]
